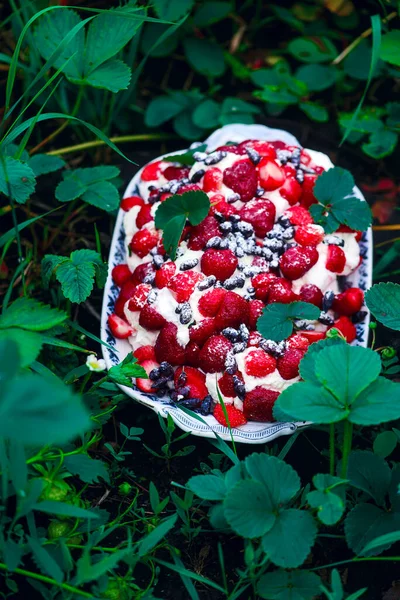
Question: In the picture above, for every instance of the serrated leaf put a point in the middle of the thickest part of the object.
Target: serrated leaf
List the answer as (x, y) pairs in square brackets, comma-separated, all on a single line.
[(44, 163), (316, 404), (44, 560), (113, 75), (307, 364), (208, 487), (279, 478), (369, 473), (29, 343), (16, 179), (12, 554), (333, 185), (290, 539), (253, 515), (383, 300), (87, 469), (329, 504), (205, 56), (172, 10), (353, 212), (366, 522), (276, 321), (76, 274), (92, 185), (126, 370), (206, 112), (102, 194), (382, 540), (289, 585), (378, 403), (27, 313), (49, 263)]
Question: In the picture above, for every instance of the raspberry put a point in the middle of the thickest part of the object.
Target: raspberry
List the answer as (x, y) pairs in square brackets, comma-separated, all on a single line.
[(348, 302), (167, 346), (130, 201), (121, 274), (307, 194), (261, 283), (297, 261), (256, 308), (336, 259), (298, 215), (164, 274), (235, 416), (291, 190), (200, 332), (262, 148), (212, 181), (144, 216), (299, 342), (183, 284), (258, 404), (226, 386), (259, 364), (151, 171), (241, 177), (194, 379), (312, 294), (189, 187), (221, 263), (288, 364), (346, 229), (145, 385), (144, 353), (281, 291), (175, 173), (141, 272), (210, 302), (309, 235), (213, 354), (139, 297), (232, 311), (200, 234), (346, 328), (192, 352), (119, 328), (219, 204), (261, 214), (271, 175), (143, 241), (150, 319)]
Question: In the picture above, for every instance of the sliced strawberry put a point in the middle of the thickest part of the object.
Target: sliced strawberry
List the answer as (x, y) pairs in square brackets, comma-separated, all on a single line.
[(192, 378), (309, 235), (346, 229), (298, 341), (151, 171), (127, 291), (259, 364), (298, 215), (151, 319), (271, 175), (142, 271), (212, 181), (291, 190), (164, 274), (175, 172), (281, 291), (305, 158), (200, 234), (183, 284), (307, 194), (144, 216), (213, 354), (118, 327), (144, 353), (143, 241), (262, 148), (314, 336), (219, 204), (221, 263), (312, 294), (145, 385), (241, 177), (167, 346), (256, 308), (232, 311), (210, 302), (130, 202), (348, 302), (139, 297), (203, 330), (235, 416), (258, 404), (288, 364), (336, 259), (295, 262), (121, 274), (226, 384), (261, 214), (346, 328)]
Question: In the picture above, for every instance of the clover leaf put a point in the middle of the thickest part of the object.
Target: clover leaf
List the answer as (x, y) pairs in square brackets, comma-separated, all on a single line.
[(276, 322), (337, 204), (172, 214)]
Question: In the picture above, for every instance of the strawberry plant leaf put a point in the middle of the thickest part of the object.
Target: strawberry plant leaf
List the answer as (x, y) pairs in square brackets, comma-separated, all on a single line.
[(378, 403), (172, 10), (252, 516), (279, 478), (126, 370), (27, 313), (172, 214), (49, 263), (16, 179), (205, 56), (44, 560), (187, 157), (93, 185), (307, 364), (211, 12), (381, 144), (369, 473), (102, 194), (315, 111), (289, 585), (366, 522), (383, 300), (312, 50), (208, 487), (44, 163), (390, 46), (113, 75), (330, 503), (87, 469), (29, 343), (384, 443), (317, 404), (276, 321)]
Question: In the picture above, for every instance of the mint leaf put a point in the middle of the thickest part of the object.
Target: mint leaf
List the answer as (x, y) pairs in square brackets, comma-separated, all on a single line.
[(383, 300), (27, 313), (172, 214), (126, 370), (87, 469), (276, 322), (44, 163), (289, 585), (187, 157), (16, 179)]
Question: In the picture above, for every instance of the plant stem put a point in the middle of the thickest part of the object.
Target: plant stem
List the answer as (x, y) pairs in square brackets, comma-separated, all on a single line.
[(63, 586), (142, 137), (332, 448), (348, 438), (386, 227), (357, 559)]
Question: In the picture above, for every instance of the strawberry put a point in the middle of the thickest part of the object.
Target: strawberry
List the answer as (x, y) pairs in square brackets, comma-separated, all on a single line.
[(259, 364), (254, 338), (139, 297), (261, 283), (280, 290), (164, 274), (336, 259), (309, 235), (151, 171), (235, 416), (305, 158), (142, 271), (192, 352), (232, 311), (307, 193), (210, 302), (167, 346), (183, 284), (127, 291), (232, 148), (150, 319), (164, 196), (143, 241), (298, 215), (312, 294), (271, 175), (255, 308), (118, 327), (295, 262), (121, 274), (200, 234), (200, 332), (258, 404), (348, 302), (313, 336), (130, 201), (189, 187), (226, 386), (194, 379), (289, 170), (212, 181), (241, 177), (213, 354), (144, 216), (219, 204), (261, 214), (262, 148), (288, 364), (298, 341), (291, 189), (346, 229), (221, 263), (144, 353), (145, 385), (175, 173), (346, 328)]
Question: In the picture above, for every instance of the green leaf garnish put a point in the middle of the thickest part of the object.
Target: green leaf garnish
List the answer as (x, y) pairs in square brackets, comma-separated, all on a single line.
[(126, 370), (276, 322), (383, 300), (337, 203), (172, 214), (186, 158)]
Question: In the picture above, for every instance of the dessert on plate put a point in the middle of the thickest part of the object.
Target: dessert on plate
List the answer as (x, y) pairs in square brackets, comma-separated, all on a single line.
[(192, 321)]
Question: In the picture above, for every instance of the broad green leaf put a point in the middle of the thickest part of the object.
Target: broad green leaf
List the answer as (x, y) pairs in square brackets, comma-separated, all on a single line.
[(126, 370), (53, 507), (369, 473), (276, 95), (315, 111), (208, 487), (29, 343), (382, 540), (43, 163), (276, 322), (113, 75), (289, 16), (366, 122), (44, 560), (307, 364), (152, 33), (156, 536), (27, 313), (357, 63), (312, 50), (333, 185), (211, 12), (381, 144), (384, 443), (87, 469), (16, 179), (393, 114), (289, 585), (308, 402), (9, 360), (76, 273), (231, 106), (353, 212), (207, 112), (185, 128), (92, 185), (290, 539), (103, 195), (262, 77), (49, 263), (366, 522), (253, 515), (317, 77), (185, 158), (328, 499), (162, 109), (279, 478), (390, 47), (205, 56), (378, 403), (172, 10)]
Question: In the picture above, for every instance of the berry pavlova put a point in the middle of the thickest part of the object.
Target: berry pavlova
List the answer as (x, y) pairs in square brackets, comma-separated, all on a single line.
[(213, 240)]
